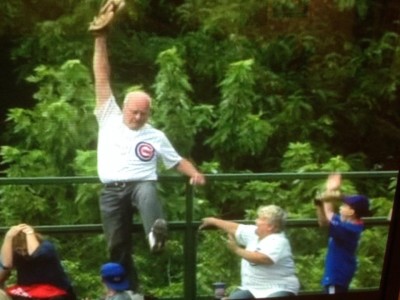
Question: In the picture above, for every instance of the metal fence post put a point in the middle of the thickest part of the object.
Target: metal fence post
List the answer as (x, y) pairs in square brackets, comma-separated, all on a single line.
[(189, 249)]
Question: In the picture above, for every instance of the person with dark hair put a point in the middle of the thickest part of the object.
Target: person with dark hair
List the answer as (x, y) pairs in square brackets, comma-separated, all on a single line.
[(39, 271), (345, 229)]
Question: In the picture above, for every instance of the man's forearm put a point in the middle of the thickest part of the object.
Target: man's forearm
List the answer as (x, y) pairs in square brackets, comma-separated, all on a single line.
[(101, 70), (187, 168)]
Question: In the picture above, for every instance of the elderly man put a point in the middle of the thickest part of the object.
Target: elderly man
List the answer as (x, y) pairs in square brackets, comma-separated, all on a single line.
[(129, 149)]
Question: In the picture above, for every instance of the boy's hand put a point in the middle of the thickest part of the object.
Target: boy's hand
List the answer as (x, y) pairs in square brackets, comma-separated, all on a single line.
[(333, 182)]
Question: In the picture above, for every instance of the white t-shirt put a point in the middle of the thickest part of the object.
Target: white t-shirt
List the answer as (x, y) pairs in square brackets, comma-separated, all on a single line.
[(125, 295), (260, 279), (124, 154)]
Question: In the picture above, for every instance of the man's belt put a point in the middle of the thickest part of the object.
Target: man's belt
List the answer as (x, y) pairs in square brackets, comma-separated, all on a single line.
[(118, 184)]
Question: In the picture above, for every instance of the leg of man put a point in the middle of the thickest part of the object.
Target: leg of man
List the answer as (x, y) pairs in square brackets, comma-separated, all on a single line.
[(117, 213), (145, 198)]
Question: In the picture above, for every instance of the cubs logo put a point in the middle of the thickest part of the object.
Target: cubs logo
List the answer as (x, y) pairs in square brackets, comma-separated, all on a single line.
[(144, 151)]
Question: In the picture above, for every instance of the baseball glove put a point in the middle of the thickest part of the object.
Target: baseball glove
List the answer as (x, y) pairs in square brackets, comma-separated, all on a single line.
[(106, 15), (330, 196)]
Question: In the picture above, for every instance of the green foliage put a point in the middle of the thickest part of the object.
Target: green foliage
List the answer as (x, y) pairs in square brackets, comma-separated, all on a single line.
[(370, 258), (63, 99), (306, 264), (297, 156), (237, 130), (214, 255), (173, 106), (255, 86), (360, 6), (45, 141), (82, 261)]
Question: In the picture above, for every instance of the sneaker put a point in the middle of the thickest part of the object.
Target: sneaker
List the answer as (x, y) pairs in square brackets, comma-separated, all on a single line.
[(158, 236)]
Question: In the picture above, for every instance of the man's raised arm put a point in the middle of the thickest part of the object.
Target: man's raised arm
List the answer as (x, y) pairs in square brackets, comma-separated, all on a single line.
[(101, 69)]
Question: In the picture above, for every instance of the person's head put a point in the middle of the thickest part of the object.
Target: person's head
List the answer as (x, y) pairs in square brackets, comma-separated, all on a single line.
[(270, 219), (136, 109), (354, 207), (114, 277), (19, 243)]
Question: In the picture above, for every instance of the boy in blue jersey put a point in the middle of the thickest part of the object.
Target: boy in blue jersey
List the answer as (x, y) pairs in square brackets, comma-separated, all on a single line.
[(345, 230)]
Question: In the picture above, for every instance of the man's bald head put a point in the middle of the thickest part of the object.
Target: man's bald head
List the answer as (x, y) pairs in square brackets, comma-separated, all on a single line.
[(136, 109)]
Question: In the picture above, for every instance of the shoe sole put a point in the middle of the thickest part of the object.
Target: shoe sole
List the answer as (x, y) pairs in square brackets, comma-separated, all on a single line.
[(160, 235)]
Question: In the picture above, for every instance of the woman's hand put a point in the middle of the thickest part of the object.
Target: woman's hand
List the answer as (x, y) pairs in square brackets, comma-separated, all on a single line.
[(207, 222), (14, 230), (27, 229), (232, 243)]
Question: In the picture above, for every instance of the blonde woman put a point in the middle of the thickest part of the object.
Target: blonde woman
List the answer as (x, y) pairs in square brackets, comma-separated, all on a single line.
[(267, 266)]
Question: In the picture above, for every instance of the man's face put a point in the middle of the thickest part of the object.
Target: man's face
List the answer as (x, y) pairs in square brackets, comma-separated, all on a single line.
[(136, 112), (263, 227)]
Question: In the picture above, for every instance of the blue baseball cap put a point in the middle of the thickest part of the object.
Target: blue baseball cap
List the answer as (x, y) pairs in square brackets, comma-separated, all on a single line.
[(359, 203), (114, 276)]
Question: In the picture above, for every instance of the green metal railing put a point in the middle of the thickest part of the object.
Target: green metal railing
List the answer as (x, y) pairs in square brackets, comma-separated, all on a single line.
[(189, 225)]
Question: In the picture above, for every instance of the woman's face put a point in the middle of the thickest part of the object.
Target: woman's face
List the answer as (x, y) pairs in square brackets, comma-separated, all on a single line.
[(21, 251), (19, 244), (263, 227)]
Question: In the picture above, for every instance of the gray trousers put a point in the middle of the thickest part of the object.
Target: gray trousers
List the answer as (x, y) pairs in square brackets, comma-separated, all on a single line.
[(117, 206)]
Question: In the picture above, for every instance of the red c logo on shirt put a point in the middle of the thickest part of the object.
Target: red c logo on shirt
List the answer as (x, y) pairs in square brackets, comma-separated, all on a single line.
[(144, 151)]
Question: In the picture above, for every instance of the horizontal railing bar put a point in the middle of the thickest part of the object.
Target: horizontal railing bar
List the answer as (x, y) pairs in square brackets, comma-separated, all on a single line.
[(176, 226), (210, 177), (355, 291), (308, 175), (182, 226)]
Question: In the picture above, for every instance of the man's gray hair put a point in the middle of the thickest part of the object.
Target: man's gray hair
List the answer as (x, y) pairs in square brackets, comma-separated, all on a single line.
[(274, 215), (137, 95)]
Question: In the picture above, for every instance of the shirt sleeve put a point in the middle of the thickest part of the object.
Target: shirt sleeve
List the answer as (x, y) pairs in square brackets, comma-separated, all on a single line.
[(109, 109), (169, 155), (245, 233)]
